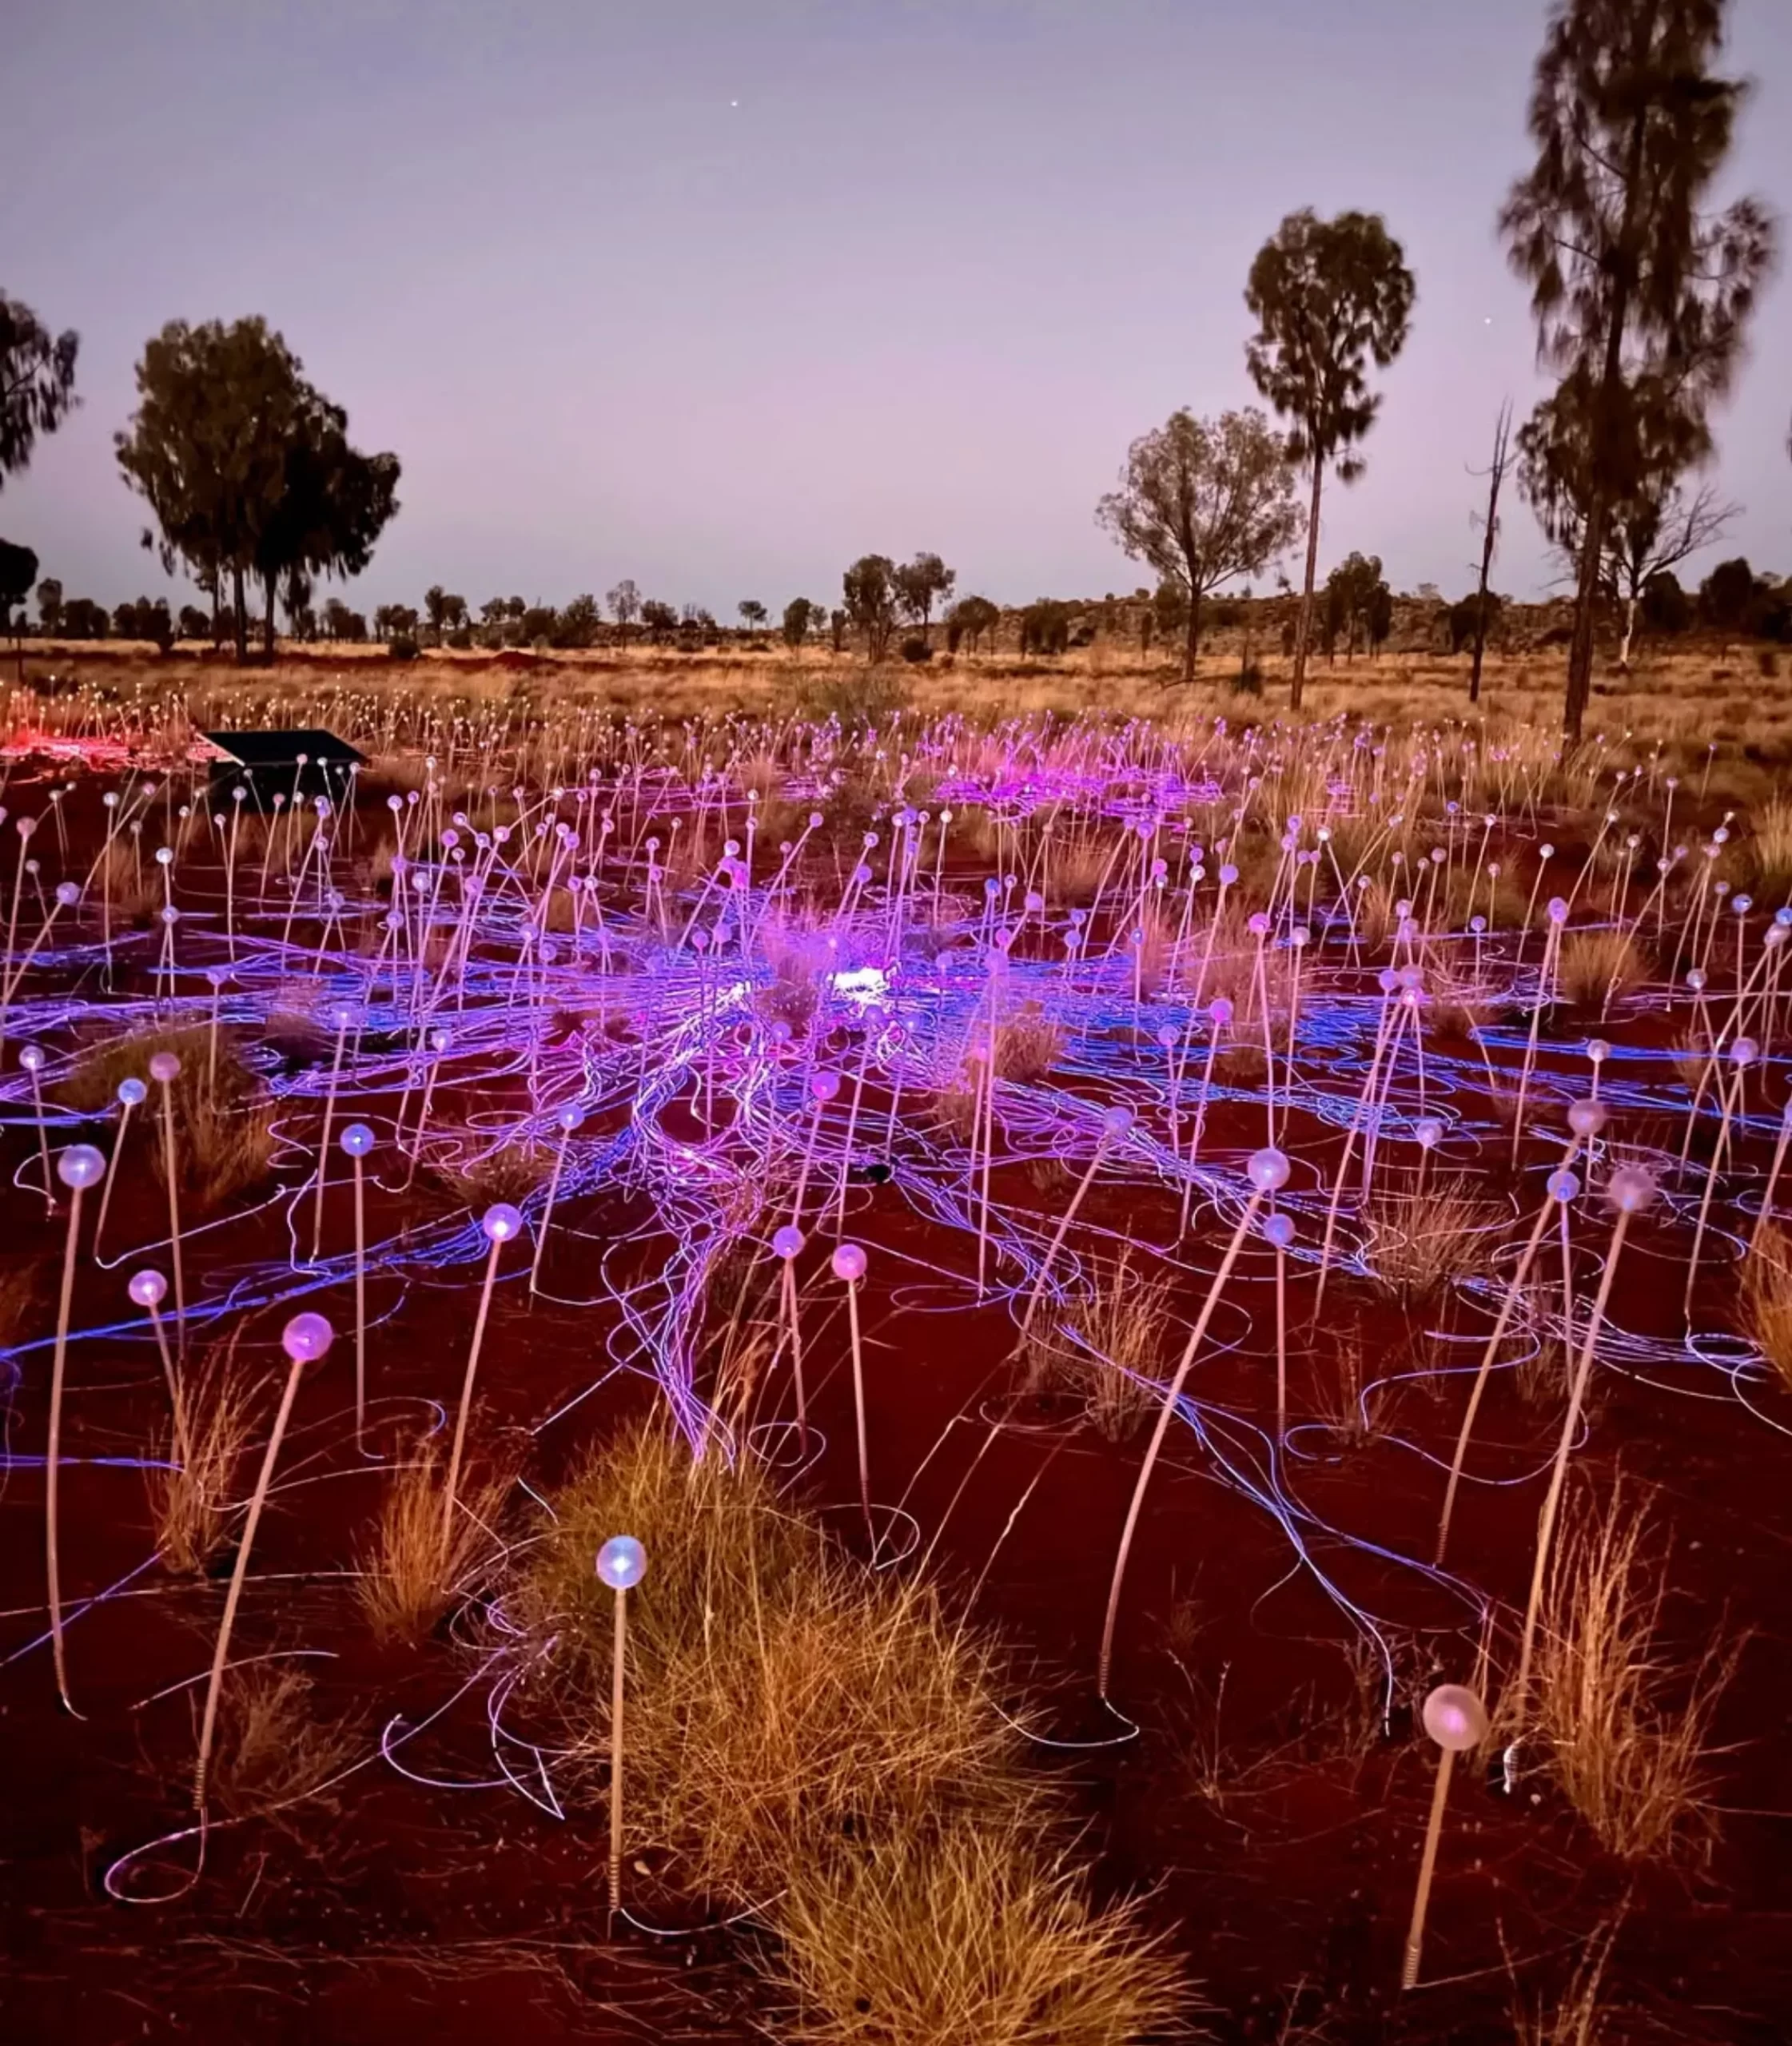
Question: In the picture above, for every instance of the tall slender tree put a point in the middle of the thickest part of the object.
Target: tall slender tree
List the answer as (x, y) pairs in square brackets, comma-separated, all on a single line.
[(1642, 299), (1329, 298)]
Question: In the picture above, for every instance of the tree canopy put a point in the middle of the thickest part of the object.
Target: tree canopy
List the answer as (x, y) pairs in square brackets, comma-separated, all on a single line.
[(1329, 298), (37, 383), (1641, 299), (1203, 502), (873, 601), (246, 467)]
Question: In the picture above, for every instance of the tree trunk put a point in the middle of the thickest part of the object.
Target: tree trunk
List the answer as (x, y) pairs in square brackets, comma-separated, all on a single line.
[(1191, 643), (1580, 652), (1496, 476), (268, 623), (239, 612), (1303, 630), (1630, 606)]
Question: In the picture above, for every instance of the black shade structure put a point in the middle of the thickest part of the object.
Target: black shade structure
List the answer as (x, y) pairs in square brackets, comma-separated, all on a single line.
[(286, 763)]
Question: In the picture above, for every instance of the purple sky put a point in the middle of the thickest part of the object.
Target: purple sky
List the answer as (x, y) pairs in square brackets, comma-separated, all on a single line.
[(918, 289)]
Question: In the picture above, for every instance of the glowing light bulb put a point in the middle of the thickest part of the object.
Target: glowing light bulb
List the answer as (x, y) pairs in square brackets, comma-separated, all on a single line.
[(81, 1165), (622, 1562), (849, 1264), (306, 1338), (500, 1222)]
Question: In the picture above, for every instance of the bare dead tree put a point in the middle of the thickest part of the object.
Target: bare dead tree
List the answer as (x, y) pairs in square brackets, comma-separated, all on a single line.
[(1496, 475)]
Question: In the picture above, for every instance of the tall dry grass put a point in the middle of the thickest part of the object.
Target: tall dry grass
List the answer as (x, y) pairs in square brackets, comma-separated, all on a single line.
[(409, 1576), (967, 1938), (1108, 1359), (831, 1747), (1637, 1771), (1767, 1299), (193, 1503), (274, 1749), (1422, 1239), (1599, 968)]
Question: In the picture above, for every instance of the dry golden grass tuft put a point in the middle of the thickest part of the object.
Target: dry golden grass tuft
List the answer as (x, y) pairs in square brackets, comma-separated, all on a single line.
[(409, 1577), (1767, 1299), (1770, 848), (1600, 967), (829, 1745), (1636, 1774), (273, 1750), (1579, 2015), (193, 1504), (971, 1936), (1027, 1044), (224, 1135), (1122, 1323), (1422, 1239), (501, 1171), (20, 1285)]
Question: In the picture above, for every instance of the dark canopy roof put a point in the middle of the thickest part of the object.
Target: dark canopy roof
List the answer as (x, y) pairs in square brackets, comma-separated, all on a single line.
[(281, 749)]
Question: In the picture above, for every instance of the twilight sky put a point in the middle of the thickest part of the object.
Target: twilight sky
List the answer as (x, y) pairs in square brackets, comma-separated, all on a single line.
[(721, 293)]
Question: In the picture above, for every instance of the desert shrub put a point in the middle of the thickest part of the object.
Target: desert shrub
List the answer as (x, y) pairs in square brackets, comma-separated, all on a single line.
[(1771, 847), (1107, 1349), (1767, 661), (1767, 1299), (403, 650), (223, 1137), (1027, 1043), (854, 698), (1248, 682), (915, 650)]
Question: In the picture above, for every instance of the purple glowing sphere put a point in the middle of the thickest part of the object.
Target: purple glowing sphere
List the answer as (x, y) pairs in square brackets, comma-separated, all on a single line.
[(356, 1139), (164, 1066), (306, 1338), (500, 1222), (148, 1287), (1267, 1170), (1630, 1189), (1562, 1185), (787, 1242), (1455, 1717), (81, 1165), (1279, 1229), (849, 1264), (1585, 1119), (622, 1562), (132, 1093), (1116, 1123), (570, 1118), (31, 1057), (825, 1085)]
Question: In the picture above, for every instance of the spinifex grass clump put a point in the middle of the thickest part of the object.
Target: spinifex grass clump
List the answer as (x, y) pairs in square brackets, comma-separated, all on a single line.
[(409, 1575), (1600, 968), (274, 1749), (1421, 1242), (1767, 1299), (971, 1936), (226, 1139), (1637, 1773), (192, 1501), (1105, 1349), (828, 1745)]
